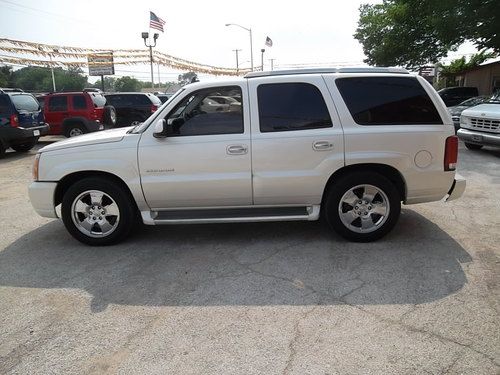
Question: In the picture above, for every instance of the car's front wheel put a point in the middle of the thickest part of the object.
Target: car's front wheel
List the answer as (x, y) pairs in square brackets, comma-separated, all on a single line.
[(362, 206), (97, 211)]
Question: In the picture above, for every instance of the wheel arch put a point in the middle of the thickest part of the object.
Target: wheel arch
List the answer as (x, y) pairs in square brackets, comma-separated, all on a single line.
[(391, 173), (70, 179)]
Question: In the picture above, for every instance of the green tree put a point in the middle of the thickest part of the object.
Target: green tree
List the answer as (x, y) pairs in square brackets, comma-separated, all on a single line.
[(40, 79), (186, 78), (412, 33), (127, 84), (5, 76)]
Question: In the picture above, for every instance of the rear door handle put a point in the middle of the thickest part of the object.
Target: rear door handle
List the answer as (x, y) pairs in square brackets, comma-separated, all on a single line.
[(236, 149), (322, 145)]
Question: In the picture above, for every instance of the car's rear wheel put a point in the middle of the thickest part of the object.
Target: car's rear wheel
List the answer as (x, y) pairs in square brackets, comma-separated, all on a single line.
[(97, 211), (74, 130), (362, 206), (473, 146), (25, 147)]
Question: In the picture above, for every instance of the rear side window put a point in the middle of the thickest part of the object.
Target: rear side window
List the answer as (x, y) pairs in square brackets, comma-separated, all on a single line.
[(291, 106), (387, 101), (4, 104), (58, 103), (79, 102), (140, 100), (25, 102)]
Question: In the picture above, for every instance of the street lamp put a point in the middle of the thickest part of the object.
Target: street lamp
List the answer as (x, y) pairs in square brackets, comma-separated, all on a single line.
[(251, 42), (145, 36), (51, 66), (237, 64)]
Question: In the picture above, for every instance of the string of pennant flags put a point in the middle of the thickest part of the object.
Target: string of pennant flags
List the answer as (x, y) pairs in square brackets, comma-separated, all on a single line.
[(68, 56)]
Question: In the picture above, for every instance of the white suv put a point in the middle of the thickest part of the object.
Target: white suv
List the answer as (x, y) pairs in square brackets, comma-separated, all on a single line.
[(351, 144)]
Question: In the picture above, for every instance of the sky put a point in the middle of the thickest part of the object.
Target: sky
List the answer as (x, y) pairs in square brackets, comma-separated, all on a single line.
[(303, 32)]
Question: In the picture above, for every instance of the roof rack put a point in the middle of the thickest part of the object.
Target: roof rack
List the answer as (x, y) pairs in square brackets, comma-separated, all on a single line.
[(326, 70), (6, 90)]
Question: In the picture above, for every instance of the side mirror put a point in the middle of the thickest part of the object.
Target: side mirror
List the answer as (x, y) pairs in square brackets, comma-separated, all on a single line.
[(160, 129)]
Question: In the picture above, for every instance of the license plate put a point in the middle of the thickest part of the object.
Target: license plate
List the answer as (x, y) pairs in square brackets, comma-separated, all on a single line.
[(36, 133), (477, 138), (101, 127)]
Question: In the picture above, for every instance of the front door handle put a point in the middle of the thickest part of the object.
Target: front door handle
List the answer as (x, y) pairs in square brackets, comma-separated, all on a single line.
[(322, 145), (236, 149)]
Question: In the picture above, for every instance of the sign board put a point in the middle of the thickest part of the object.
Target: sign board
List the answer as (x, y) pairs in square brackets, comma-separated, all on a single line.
[(427, 71), (101, 64)]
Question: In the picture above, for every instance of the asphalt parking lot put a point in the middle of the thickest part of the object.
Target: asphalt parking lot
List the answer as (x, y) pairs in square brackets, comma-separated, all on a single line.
[(267, 298)]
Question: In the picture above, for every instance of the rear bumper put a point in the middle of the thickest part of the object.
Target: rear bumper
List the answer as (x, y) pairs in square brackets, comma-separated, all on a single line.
[(42, 198), (94, 126), (479, 138), (457, 188), (20, 134)]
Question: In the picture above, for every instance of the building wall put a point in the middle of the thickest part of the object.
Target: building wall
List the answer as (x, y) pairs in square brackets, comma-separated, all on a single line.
[(485, 79)]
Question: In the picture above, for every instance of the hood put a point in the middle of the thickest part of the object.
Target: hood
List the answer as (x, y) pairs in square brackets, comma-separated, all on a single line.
[(457, 110), (106, 136), (483, 110)]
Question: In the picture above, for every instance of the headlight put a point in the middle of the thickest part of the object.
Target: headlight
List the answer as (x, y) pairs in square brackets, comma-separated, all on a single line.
[(36, 164)]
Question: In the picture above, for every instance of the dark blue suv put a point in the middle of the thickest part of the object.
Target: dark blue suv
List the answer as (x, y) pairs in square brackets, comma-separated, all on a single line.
[(21, 121)]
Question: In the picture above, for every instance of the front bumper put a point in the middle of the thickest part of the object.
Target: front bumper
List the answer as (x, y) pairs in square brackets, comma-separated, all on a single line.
[(42, 198), (457, 188), (479, 138)]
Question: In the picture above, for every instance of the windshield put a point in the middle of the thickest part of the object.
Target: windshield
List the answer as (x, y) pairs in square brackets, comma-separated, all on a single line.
[(143, 126), (98, 99), (25, 102)]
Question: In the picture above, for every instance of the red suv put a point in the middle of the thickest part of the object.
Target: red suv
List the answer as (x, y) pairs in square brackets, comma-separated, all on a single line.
[(75, 113)]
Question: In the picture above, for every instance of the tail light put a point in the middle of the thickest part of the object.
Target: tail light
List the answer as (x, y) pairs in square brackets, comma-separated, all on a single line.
[(154, 108), (14, 121), (451, 153)]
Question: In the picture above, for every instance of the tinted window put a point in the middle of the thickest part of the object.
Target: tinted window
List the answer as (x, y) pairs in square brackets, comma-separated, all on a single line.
[(25, 102), (291, 106), (58, 103), (79, 102), (4, 104), (387, 101), (140, 100), (197, 114)]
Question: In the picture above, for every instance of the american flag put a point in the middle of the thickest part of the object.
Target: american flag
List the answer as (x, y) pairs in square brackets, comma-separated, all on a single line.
[(155, 22)]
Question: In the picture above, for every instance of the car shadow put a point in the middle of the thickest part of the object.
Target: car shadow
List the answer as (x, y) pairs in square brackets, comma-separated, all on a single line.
[(289, 263)]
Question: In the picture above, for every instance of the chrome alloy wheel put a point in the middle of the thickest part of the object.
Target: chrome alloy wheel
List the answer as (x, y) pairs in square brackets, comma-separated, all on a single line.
[(364, 208), (75, 132), (95, 213)]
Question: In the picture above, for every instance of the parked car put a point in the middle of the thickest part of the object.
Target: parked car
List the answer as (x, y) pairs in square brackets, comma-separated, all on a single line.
[(163, 97), (21, 121), (133, 108), (76, 113), (351, 144), (457, 110), (480, 125), (455, 95)]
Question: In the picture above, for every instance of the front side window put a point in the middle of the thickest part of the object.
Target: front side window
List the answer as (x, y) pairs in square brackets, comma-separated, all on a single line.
[(198, 114), (387, 101), (58, 103), (291, 106), (79, 102)]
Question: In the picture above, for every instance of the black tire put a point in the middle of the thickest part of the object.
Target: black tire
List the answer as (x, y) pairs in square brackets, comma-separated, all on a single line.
[(25, 147), (473, 146), (72, 128), (346, 183), (126, 207), (109, 117), (2, 150)]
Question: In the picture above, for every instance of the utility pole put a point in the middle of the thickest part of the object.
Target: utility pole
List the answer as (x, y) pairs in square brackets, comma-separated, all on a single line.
[(145, 36), (262, 59), (272, 63), (237, 63)]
